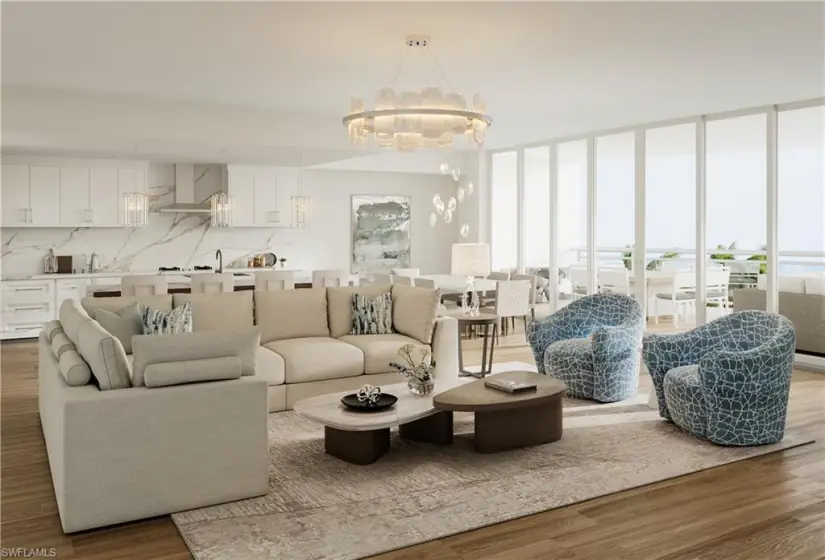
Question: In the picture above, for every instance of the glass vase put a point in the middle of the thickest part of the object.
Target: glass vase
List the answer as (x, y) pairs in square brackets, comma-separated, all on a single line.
[(421, 387)]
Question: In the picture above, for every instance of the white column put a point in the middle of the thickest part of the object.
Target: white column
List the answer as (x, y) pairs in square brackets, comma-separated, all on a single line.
[(640, 243), (553, 227), (772, 296), (592, 258), (701, 219), (520, 210)]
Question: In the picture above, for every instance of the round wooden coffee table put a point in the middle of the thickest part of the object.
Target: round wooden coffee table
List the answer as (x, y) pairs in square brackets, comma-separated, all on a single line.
[(489, 324), (509, 421)]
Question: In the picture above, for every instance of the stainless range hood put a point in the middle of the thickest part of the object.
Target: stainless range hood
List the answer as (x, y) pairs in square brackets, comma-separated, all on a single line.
[(185, 193)]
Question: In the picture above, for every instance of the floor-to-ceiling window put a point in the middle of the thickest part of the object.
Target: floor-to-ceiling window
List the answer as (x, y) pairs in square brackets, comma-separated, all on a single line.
[(736, 204), (537, 209), (670, 226), (505, 219), (571, 219), (615, 205), (801, 209)]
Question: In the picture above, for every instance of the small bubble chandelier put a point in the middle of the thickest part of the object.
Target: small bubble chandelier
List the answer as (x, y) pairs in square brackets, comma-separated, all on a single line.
[(464, 188), (410, 120)]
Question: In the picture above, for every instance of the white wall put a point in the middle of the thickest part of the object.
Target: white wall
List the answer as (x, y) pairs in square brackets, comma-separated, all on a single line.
[(185, 240)]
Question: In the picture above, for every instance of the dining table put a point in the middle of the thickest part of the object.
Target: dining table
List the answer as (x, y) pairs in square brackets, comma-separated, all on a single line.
[(449, 284)]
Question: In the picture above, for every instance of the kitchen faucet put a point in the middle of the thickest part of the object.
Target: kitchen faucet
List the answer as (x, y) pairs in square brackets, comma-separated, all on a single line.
[(93, 262), (219, 256)]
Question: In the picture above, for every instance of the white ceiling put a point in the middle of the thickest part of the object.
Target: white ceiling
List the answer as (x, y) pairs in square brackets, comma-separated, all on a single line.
[(545, 69)]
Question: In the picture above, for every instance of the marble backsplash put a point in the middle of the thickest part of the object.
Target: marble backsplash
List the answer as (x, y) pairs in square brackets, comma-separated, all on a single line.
[(182, 240), (186, 240)]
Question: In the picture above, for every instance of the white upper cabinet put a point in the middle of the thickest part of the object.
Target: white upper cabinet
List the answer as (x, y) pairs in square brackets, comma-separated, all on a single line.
[(74, 196), (15, 195), (44, 191), (261, 196), (62, 192)]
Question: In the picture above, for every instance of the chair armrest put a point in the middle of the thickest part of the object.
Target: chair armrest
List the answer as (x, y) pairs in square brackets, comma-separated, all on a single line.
[(445, 348), (663, 352)]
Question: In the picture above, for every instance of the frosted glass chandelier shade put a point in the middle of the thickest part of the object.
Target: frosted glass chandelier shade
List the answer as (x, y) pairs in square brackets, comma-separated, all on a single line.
[(409, 120)]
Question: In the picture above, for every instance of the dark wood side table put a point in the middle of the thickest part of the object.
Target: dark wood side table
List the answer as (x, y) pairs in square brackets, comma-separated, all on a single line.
[(489, 328)]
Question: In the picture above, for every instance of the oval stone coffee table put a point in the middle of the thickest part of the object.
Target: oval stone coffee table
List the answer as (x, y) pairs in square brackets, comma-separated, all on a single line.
[(362, 437), (508, 421)]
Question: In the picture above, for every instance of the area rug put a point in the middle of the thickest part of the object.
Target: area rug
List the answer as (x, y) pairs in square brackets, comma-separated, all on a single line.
[(320, 507)]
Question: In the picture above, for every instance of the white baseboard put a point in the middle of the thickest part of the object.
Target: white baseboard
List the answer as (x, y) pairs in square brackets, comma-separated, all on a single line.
[(809, 363)]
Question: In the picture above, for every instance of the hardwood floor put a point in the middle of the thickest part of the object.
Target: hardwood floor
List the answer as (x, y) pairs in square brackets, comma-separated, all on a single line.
[(771, 507)]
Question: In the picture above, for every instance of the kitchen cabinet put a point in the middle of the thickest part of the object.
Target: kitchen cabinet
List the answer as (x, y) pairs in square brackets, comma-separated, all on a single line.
[(27, 305), (262, 196), (64, 192), (71, 288), (15, 195)]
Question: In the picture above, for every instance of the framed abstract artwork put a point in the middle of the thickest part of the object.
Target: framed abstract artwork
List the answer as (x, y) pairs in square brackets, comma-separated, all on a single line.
[(380, 233)]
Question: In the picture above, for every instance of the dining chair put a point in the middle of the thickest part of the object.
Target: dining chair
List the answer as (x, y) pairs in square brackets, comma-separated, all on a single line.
[(212, 283), (144, 285), (405, 280), (717, 288), (512, 301), (682, 294), (274, 280), (411, 272), (615, 280), (533, 279), (578, 282), (424, 283), (330, 278), (499, 276), (381, 278)]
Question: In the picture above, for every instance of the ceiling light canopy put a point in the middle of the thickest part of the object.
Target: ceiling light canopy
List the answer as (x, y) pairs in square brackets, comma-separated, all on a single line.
[(408, 120)]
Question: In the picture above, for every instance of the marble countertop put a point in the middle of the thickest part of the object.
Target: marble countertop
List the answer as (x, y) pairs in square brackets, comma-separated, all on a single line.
[(300, 275)]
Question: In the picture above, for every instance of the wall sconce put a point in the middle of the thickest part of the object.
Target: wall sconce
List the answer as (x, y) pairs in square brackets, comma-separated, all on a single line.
[(301, 210), (221, 210), (135, 209)]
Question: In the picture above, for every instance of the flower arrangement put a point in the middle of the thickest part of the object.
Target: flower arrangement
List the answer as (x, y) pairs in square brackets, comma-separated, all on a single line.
[(417, 365)]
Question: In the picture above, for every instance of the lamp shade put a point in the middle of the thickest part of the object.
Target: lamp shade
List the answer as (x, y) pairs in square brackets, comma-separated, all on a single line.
[(470, 259)]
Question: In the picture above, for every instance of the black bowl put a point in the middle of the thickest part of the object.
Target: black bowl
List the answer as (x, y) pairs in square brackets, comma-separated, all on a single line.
[(385, 401)]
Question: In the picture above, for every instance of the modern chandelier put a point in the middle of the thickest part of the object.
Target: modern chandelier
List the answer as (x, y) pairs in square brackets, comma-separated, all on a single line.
[(408, 120)]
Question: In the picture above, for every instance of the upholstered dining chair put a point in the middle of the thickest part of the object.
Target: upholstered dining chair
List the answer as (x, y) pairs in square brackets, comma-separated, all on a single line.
[(592, 344), (330, 278), (726, 381), (406, 280), (381, 278), (274, 280), (533, 279), (411, 272), (424, 283), (138, 285), (212, 283), (512, 301)]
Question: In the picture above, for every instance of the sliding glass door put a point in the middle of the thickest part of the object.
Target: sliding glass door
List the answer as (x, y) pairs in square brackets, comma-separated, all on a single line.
[(571, 217)]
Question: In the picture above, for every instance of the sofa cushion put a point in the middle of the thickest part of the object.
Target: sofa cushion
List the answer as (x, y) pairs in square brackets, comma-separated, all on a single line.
[(122, 324), (284, 314), (339, 305), (177, 321), (74, 369), (192, 371), (72, 316), (61, 343), (414, 311), (379, 349), (225, 311), (161, 302), (270, 366), (105, 355), (317, 358), (149, 349), (372, 315), (51, 329)]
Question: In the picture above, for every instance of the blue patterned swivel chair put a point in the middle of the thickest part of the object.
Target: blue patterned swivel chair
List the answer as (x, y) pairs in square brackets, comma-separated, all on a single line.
[(592, 345), (726, 381)]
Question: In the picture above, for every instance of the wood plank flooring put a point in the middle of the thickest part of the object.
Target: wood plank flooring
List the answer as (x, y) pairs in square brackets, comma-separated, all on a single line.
[(768, 508)]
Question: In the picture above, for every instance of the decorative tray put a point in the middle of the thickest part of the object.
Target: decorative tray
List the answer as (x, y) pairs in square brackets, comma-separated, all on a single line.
[(385, 401)]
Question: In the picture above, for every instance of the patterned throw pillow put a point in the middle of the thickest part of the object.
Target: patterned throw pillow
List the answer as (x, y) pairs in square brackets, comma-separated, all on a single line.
[(372, 315), (179, 320)]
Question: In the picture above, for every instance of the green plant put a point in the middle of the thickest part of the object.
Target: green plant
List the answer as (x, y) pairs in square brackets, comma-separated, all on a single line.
[(655, 264), (763, 268), (724, 256)]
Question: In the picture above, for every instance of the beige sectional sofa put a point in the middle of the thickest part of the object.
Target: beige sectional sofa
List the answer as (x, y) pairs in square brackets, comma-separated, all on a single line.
[(134, 435)]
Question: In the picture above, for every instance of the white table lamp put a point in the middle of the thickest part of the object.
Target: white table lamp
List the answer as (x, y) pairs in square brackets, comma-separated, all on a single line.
[(470, 260)]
